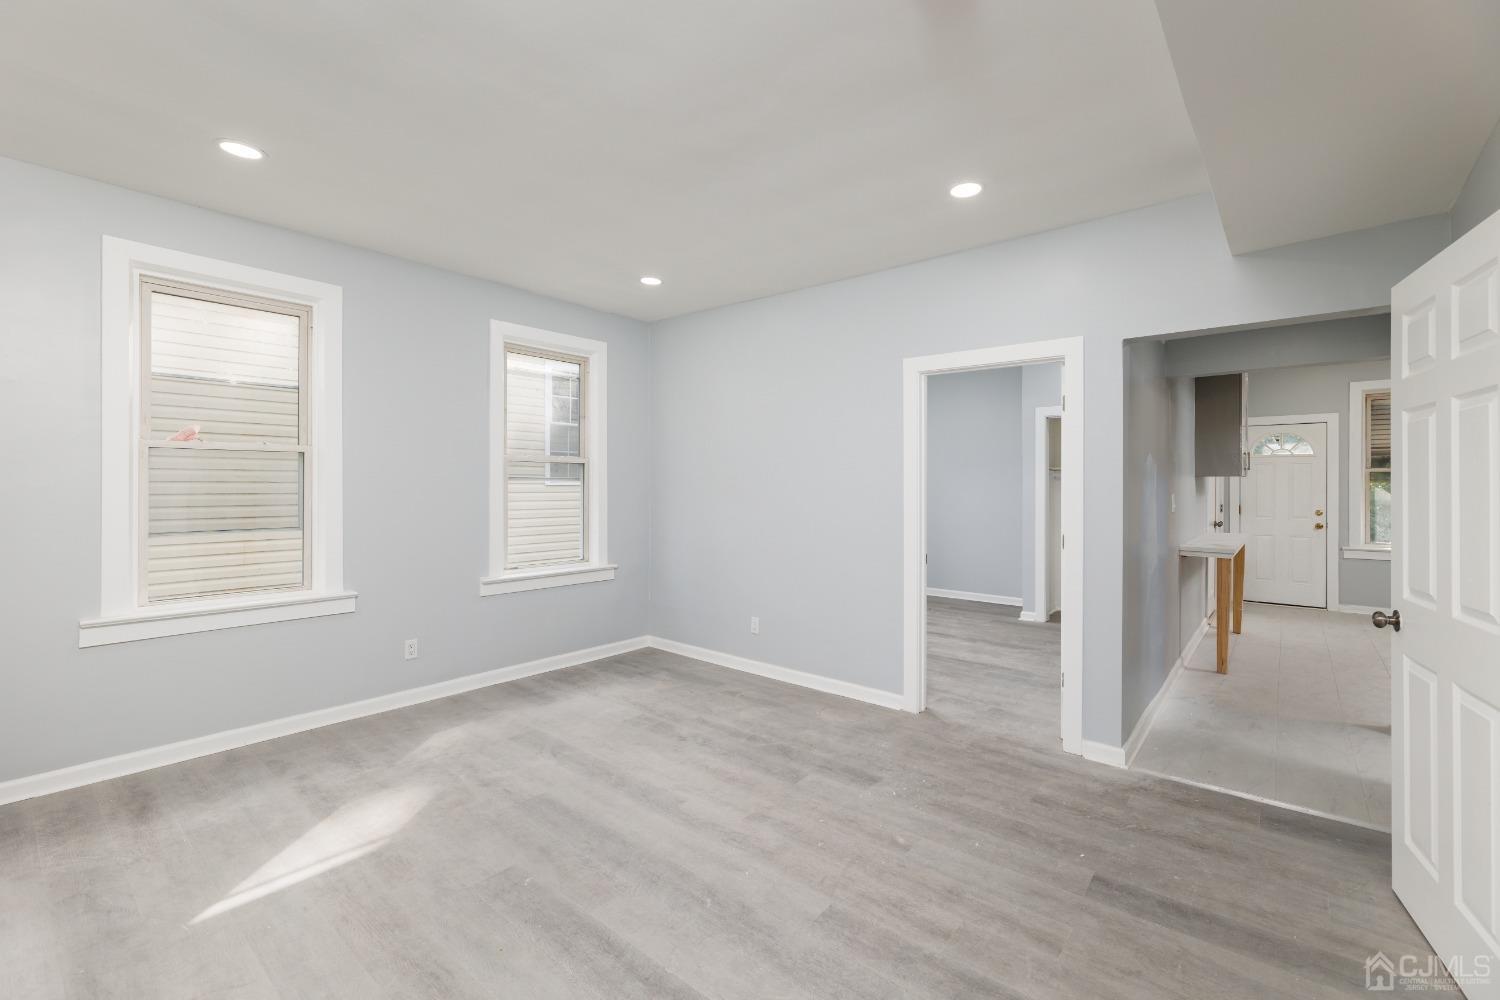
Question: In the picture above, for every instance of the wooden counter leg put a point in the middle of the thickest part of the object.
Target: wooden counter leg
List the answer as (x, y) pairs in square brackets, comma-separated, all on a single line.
[(1239, 590), (1221, 622)]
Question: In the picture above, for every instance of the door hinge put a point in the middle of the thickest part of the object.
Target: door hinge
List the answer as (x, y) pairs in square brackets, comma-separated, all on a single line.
[(1065, 404)]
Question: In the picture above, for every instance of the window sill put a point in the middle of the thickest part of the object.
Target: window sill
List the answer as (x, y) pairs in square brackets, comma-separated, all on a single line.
[(1366, 552), (207, 616), (541, 579)]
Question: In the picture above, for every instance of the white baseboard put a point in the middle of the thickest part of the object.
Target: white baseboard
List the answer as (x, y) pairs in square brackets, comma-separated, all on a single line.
[(1124, 756), (1103, 753), (1031, 616), (202, 746), (1148, 717), (969, 595), (874, 696), (1356, 609)]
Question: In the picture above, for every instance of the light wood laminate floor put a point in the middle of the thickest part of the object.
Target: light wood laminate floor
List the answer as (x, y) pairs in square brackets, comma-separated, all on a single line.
[(650, 826)]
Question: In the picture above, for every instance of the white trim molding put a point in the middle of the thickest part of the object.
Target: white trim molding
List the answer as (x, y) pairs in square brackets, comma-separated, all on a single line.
[(1358, 548), (122, 617), (1042, 474), (595, 567), (514, 583), (1103, 753), (815, 682), (259, 609), (202, 746), (915, 373), (1331, 500), (969, 595), (1143, 725)]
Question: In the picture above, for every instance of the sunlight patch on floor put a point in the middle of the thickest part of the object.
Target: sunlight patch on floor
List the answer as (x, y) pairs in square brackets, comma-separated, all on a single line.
[(350, 833)]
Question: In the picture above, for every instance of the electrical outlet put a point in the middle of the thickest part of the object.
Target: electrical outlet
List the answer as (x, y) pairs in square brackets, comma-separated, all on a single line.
[(755, 626), (411, 649)]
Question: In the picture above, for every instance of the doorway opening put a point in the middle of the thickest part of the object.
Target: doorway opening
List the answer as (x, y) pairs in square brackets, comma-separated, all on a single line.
[(1262, 534), (976, 593), (1047, 502)]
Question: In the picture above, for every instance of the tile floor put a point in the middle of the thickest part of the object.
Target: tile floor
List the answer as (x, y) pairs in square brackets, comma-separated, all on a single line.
[(1303, 717)]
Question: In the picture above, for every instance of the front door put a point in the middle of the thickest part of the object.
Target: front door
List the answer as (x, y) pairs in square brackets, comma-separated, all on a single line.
[(1283, 503), (1445, 581)]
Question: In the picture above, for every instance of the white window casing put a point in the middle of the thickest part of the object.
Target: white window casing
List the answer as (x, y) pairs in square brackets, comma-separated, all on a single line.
[(1360, 546), (548, 529), (182, 550)]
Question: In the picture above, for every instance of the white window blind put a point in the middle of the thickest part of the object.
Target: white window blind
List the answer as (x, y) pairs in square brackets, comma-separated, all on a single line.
[(224, 443), (545, 464), (1376, 523)]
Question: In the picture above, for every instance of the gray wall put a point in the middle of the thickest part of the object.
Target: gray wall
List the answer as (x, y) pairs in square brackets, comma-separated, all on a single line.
[(415, 412), (1361, 338), (1041, 385), (1190, 494), (814, 544), (1313, 366), (1480, 196), (1325, 389), (1152, 626), (974, 482)]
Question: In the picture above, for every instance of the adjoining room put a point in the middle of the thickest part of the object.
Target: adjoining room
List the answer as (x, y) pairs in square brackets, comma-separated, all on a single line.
[(1279, 439), (994, 543)]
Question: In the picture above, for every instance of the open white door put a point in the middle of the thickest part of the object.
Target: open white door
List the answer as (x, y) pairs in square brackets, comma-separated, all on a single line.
[(1445, 582)]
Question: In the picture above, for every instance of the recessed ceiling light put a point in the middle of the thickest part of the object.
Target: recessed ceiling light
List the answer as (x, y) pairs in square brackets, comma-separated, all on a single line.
[(650, 279), (967, 189), (243, 150)]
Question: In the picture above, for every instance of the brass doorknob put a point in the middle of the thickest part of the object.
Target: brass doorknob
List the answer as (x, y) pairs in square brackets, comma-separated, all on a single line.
[(1381, 620), (1318, 526), (1317, 513)]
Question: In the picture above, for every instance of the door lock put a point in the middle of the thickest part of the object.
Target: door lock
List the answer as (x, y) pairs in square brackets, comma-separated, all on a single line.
[(1317, 513), (1381, 620)]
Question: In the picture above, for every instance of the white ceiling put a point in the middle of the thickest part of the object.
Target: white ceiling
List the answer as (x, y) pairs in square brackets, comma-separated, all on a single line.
[(1318, 117), (742, 149), (736, 149)]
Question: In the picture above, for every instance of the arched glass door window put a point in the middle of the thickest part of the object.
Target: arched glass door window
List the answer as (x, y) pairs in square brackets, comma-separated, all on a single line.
[(1279, 444)]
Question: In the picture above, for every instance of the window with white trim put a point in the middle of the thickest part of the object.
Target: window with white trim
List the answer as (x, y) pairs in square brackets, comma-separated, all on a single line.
[(223, 443), (1370, 467), (545, 468), (222, 431), (1376, 520), (547, 482)]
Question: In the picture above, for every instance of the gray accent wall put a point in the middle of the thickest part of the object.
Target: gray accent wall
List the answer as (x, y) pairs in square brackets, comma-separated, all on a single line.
[(974, 539), (416, 343), (1152, 633), (1480, 196), (747, 520), (1359, 338)]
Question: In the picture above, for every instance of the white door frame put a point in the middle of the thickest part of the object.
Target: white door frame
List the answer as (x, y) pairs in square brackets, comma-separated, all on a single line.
[(1042, 475), (1331, 498), (915, 372)]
